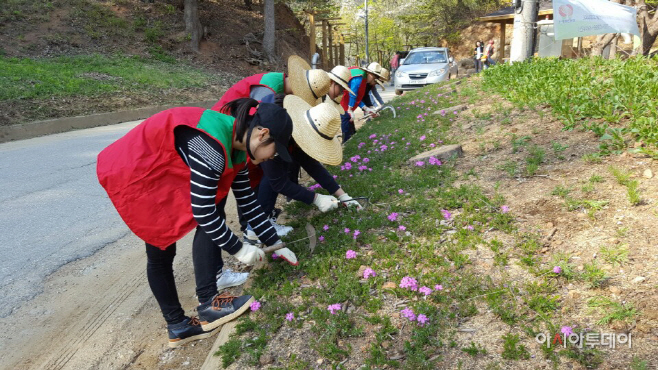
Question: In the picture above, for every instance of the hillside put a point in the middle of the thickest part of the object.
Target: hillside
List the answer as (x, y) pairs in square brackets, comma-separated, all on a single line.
[(151, 31)]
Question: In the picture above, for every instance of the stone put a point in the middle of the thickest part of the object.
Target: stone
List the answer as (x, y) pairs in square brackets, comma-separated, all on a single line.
[(450, 110), (319, 361), (639, 279), (615, 290), (442, 153), (574, 294), (647, 173), (266, 359), (650, 314), (643, 328), (362, 269), (389, 285)]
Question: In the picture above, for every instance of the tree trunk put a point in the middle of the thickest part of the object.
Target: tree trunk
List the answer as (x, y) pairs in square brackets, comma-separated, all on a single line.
[(601, 42), (648, 28), (613, 47), (192, 24), (269, 45)]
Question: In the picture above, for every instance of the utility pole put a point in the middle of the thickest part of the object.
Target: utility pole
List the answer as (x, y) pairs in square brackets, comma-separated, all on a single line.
[(525, 20), (367, 55)]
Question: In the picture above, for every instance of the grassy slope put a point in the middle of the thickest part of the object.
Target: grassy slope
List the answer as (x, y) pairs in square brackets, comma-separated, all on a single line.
[(522, 298)]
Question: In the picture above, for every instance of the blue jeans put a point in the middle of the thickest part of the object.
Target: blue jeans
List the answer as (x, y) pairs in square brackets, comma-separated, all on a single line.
[(347, 127)]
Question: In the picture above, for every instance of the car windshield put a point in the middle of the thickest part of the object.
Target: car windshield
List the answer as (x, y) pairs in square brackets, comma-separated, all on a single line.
[(426, 57)]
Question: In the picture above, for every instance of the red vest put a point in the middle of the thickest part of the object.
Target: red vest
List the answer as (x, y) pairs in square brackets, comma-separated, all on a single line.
[(273, 81), (149, 183), (360, 93)]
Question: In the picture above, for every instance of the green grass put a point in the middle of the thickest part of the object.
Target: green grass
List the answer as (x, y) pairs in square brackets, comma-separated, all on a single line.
[(92, 75), (512, 350), (633, 193), (611, 310), (614, 255), (589, 93), (620, 175)]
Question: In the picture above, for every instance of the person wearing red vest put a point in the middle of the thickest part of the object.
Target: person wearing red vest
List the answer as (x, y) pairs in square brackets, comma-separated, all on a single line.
[(262, 87), (171, 174), (361, 78)]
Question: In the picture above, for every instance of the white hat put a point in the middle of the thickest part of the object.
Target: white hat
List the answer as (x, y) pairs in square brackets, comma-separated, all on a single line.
[(315, 129), (374, 68), (341, 75)]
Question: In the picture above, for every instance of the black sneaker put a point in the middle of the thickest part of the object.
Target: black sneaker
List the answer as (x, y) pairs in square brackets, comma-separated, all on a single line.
[(187, 331), (222, 309)]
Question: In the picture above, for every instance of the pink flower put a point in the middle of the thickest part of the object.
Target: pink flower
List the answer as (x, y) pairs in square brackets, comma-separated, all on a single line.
[(348, 166), (504, 209), (425, 290), (347, 231), (400, 191), (290, 316), (566, 330), (434, 161), (325, 227), (356, 233), (470, 227), (422, 320), (557, 269), (275, 256), (402, 227), (447, 215), (409, 283), (255, 306), (438, 287), (333, 308), (422, 138), (432, 145), (420, 164), (393, 216), (335, 177), (408, 313), (368, 273), (372, 136), (366, 160), (350, 254)]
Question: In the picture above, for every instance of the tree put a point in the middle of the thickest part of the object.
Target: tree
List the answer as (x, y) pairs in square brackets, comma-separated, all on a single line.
[(648, 26), (192, 24), (269, 38)]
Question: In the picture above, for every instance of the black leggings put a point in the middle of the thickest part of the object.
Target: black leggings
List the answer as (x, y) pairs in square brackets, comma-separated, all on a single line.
[(207, 260)]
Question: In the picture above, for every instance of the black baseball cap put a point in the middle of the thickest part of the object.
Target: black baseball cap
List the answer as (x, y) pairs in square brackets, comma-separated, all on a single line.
[(277, 120)]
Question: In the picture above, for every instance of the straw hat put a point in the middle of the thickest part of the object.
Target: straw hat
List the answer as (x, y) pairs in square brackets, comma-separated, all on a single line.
[(335, 103), (315, 129), (386, 76), (374, 68), (341, 75), (309, 84)]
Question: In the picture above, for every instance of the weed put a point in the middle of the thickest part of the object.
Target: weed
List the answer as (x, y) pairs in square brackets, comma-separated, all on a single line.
[(639, 364), (474, 350), (512, 350), (558, 149), (518, 142), (614, 255), (589, 358), (533, 161), (596, 179), (593, 274), (510, 167), (620, 175), (561, 191), (587, 188), (592, 158), (230, 351), (634, 193), (611, 310)]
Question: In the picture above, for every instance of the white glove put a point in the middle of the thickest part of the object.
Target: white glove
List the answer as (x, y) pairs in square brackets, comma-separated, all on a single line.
[(287, 255), (349, 202), (351, 114), (250, 254), (371, 111), (325, 202)]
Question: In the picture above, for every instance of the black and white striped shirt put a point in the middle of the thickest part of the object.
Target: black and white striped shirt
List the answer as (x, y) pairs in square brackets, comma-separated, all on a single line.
[(206, 160)]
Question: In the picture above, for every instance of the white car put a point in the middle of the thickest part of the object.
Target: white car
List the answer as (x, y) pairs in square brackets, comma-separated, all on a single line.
[(424, 66)]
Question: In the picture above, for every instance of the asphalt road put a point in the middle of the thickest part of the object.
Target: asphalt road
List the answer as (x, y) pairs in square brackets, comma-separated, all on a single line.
[(52, 209)]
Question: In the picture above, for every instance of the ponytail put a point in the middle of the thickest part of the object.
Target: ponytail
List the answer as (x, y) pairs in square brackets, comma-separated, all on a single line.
[(240, 109)]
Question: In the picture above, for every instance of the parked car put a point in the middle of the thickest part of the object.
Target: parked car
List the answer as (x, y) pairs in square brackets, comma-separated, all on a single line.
[(424, 66)]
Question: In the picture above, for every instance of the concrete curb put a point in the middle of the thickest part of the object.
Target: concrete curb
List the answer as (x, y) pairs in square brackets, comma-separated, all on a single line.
[(54, 126)]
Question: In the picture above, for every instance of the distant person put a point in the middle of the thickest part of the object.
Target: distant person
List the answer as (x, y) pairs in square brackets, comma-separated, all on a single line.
[(395, 64), (488, 53), (479, 53), (358, 83)]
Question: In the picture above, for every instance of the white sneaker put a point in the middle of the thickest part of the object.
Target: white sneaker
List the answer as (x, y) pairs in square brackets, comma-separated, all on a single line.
[(251, 236), (228, 278), (281, 230)]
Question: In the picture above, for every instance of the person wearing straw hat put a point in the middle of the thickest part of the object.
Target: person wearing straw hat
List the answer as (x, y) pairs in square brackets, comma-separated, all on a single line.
[(314, 142), (373, 94), (171, 174), (340, 76), (359, 81)]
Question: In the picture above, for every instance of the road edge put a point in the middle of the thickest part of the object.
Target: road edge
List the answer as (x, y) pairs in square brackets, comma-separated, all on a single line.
[(59, 125)]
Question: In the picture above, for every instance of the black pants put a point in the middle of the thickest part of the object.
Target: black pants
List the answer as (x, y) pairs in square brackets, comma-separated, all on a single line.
[(207, 260)]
